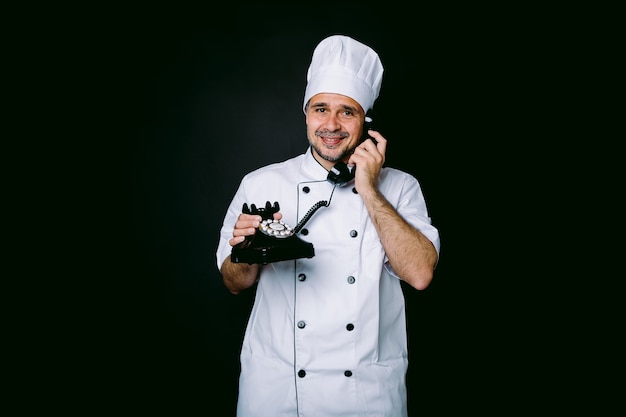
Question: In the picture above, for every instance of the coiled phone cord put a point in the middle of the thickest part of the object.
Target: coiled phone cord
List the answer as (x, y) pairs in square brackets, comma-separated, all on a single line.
[(312, 210)]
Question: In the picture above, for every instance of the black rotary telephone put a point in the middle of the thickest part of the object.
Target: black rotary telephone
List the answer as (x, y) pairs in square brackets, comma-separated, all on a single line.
[(276, 241), (273, 240)]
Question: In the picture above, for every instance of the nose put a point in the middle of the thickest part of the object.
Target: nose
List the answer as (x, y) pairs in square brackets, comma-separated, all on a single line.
[(332, 123)]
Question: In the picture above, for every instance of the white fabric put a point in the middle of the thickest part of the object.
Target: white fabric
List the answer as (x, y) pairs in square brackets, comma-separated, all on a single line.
[(275, 348), (342, 65)]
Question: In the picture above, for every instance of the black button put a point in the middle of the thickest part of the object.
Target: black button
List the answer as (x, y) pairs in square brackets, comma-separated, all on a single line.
[(304, 232), (301, 324), (306, 189), (301, 373), (351, 279), (346, 373), (350, 327), (301, 277), (353, 233), (354, 190)]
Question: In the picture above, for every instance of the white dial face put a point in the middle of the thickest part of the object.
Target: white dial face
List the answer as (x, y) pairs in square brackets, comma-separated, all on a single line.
[(276, 228)]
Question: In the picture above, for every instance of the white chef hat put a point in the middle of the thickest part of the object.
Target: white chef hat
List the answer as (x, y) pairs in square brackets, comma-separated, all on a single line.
[(342, 65)]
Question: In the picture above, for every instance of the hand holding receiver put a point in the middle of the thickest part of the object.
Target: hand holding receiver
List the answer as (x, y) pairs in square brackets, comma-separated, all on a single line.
[(272, 241), (369, 158), (342, 172)]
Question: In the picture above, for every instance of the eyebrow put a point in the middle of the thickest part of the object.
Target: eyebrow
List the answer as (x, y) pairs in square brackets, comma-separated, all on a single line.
[(319, 104), (343, 106)]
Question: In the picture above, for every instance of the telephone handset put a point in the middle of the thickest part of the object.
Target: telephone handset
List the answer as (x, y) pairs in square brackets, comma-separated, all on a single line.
[(341, 173)]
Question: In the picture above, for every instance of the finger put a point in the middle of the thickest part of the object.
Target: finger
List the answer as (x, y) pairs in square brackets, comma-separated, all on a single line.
[(247, 221), (236, 240), (377, 145), (368, 150), (375, 134), (249, 217), (244, 232), (381, 142)]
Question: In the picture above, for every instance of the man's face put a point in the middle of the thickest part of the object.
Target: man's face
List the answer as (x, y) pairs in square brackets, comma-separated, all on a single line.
[(334, 127)]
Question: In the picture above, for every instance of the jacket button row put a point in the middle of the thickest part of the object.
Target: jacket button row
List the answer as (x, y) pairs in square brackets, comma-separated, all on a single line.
[(302, 324), (302, 373), (350, 279), (353, 233)]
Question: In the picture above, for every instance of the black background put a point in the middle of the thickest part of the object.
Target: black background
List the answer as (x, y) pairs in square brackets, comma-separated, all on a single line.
[(180, 110)]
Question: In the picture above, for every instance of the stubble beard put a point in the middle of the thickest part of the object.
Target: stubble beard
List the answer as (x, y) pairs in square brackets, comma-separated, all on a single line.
[(327, 157), (331, 158)]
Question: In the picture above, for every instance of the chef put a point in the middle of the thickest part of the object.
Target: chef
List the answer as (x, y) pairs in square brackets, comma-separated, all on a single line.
[(327, 334)]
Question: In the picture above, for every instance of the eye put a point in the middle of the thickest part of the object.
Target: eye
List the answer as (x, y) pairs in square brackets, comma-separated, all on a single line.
[(348, 114)]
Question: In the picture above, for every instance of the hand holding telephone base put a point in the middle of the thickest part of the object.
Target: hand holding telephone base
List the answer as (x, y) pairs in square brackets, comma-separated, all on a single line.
[(273, 241)]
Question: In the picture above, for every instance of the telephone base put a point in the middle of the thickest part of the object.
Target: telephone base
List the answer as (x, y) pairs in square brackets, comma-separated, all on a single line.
[(263, 249)]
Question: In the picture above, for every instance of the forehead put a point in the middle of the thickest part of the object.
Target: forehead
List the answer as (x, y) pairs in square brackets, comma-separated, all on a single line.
[(334, 100)]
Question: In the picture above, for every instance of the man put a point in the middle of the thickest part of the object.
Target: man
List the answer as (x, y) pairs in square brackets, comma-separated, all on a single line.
[(327, 334)]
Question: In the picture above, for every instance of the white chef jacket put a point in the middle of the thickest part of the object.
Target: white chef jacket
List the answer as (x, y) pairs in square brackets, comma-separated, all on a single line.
[(326, 335)]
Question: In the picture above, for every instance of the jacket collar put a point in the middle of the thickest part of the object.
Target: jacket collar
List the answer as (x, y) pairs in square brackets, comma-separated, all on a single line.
[(312, 169)]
